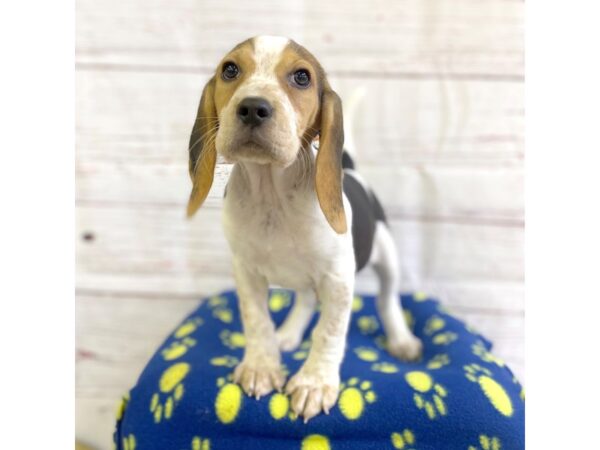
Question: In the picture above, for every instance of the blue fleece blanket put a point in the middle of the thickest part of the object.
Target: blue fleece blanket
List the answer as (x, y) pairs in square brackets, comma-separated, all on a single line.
[(459, 396)]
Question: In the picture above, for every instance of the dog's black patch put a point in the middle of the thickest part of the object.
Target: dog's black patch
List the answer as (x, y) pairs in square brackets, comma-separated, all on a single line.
[(347, 161), (366, 212)]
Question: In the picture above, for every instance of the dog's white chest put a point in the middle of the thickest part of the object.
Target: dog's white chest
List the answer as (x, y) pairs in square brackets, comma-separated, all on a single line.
[(281, 234)]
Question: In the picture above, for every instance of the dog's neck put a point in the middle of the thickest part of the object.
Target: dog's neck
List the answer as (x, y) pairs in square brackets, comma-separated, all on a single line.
[(261, 179)]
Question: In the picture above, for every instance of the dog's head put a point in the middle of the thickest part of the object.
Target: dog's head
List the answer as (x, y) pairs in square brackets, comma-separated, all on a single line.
[(268, 99)]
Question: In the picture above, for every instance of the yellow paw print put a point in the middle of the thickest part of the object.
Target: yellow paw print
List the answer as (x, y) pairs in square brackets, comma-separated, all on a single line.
[(487, 443), (302, 352), (367, 324), (494, 392), (200, 444), (279, 300), (129, 442), (381, 342), (121, 407), (188, 327), (429, 395), (480, 350), (367, 353), (225, 315), (232, 339), (353, 396), (228, 401), (438, 361), (403, 440), (279, 407), (178, 348), (217, 302), (472, 330), (224, 361), (384, 367), (419, 296), (170, 387), (315, 442), (446, 338), (433, 325), (357, 303)]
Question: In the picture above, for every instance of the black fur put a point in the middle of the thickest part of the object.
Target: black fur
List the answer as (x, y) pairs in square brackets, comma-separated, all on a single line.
[(366, 212)]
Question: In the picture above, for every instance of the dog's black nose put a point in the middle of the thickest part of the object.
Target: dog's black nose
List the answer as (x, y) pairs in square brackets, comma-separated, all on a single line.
[(254, 111)]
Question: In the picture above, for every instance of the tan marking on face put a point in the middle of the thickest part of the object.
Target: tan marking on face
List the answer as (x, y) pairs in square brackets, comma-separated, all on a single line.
[(242, 56), (306, 101)]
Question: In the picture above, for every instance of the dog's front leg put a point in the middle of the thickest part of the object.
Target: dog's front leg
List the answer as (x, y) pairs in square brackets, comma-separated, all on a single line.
[(315, 387), (260, 371)]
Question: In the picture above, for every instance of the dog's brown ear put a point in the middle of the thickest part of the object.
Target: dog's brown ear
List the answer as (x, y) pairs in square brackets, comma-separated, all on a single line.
[(203, 153), (328, 174)]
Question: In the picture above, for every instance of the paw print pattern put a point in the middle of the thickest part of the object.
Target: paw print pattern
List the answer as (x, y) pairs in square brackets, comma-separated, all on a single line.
[(480, 350), (428, 395), (224, 361), (121, 407), (494, 392), (446, 338), (302, 352), (315, 442), (200, 444), (367, 354), (279, 300), (403, 440), (487, 443), (367, 324), (178, 348), (420, 296), (353, 397), (381, 342), (225, 315), (217, 302), (188, 327), (232, 339), (279, 407), (385, 367), (129, 442), (228, 401), (438, 361), (170, 391), (357, 303), (433, 325)]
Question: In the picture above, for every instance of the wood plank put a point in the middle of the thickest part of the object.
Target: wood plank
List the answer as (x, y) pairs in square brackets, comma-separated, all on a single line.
[(135, 244), (429, 191), (378, 38), (147, 118)]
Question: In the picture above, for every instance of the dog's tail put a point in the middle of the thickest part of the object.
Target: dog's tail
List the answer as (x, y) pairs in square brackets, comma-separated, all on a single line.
[(350, 105)]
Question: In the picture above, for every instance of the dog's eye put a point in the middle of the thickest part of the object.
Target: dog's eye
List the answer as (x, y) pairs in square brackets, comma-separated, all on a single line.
[(301, 78), (230, 71)]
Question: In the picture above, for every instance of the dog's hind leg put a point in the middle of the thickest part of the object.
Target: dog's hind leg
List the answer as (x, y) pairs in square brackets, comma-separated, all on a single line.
[(289, 334), (401, 342)]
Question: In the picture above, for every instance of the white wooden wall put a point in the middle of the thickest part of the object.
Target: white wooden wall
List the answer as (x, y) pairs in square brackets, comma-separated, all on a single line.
[(439, 134)]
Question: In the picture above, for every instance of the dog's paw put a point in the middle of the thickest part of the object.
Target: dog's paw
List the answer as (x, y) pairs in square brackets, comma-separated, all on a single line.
[(312, 393), (409, 349), (288, 339), (259, 378)]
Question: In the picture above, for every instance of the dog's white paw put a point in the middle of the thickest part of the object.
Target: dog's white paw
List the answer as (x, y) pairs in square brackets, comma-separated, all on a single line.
[(288, 339), (311, 392), (259, 377), (409, 349)]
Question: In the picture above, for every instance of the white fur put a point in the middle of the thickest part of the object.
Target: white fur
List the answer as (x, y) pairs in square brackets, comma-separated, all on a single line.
[(279, 236)]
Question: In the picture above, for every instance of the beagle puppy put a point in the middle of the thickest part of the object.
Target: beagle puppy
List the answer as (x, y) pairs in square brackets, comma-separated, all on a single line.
[(294, 216)]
